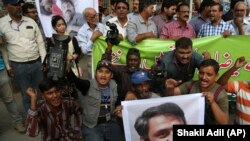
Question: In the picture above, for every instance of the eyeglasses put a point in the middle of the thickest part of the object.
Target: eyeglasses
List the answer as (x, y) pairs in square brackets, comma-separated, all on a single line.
[(93, 17), (121, 8), (239, 10)]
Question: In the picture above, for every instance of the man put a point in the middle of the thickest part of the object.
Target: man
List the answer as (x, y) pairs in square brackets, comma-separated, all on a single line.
[(216, 105), (241, 89), (240, 22), (105, 13), (135, 9), (86, 36), (229, 15), (121, 20), (6, 92), (99, 122), (203, 16), (156, 123), (140, 86), (112, 13), (74, 20), (29, 10), (53, 115), (217, 26), (25, 46), (122, 74), (168, 10), (141, 27), (181, 63), (179, 28)]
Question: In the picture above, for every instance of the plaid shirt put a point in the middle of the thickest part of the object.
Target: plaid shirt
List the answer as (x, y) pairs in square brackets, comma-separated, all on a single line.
[(209, 30), (174, 29), (54, 126)]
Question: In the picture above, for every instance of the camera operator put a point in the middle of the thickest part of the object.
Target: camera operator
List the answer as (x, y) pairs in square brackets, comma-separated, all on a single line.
[(121, 20), (181, 63), (63, 56)]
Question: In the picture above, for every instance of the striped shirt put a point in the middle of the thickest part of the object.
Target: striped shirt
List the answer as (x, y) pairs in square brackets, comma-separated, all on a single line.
[(209, 30), (242, 89), (54, 126)]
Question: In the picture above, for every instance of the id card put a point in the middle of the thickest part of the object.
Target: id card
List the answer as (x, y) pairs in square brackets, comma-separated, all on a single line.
[(108, 117)]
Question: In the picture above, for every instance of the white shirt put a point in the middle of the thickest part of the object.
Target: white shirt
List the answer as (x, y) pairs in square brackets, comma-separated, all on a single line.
[(246, 26), (84, 35), (122, 30), (24, 39)]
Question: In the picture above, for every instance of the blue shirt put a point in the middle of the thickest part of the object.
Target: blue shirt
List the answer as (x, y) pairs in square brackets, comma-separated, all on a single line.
[(209, 30), (1, 62)]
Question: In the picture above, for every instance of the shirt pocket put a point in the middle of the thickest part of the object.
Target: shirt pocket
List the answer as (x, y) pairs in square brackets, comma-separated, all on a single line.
[(29, 33)]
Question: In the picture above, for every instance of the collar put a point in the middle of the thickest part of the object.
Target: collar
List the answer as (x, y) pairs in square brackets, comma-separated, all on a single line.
[(48, 109), (10, 20)]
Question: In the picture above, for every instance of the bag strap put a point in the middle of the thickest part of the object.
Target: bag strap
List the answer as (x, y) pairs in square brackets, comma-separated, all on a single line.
[(191, 86), (218, 91)]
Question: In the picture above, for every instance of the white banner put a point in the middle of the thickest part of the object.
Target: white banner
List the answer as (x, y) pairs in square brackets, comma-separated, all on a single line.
[(71, 10), (192, 105)]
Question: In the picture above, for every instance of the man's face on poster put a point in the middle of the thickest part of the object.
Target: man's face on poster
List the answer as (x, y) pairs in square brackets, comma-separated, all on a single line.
[(161, 127), (68, 10)]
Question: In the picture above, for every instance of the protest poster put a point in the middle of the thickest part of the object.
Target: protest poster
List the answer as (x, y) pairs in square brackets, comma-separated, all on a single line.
[(192, 106)]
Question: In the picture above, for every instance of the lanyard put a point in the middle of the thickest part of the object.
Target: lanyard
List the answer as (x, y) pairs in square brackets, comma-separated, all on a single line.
[(105, 97)]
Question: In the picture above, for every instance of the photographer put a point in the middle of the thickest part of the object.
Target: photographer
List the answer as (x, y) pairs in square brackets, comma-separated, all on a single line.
[(121, 20), (181, 63), (63, 56)]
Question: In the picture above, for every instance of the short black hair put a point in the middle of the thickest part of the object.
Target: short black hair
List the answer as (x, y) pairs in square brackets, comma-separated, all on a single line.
[(122, 1), (27, 6), (204, 4), (133, 51), (145, 3), (180, 5), (142, 122), (215, 4), (183, 42), (210, 62), (46, 84), (168, 3)]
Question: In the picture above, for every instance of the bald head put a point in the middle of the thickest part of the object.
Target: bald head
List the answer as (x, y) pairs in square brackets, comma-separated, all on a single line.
[(89, 11), (240, 9)]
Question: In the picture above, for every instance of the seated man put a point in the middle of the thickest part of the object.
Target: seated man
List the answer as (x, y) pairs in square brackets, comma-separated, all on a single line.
[(216, 107), (140, 86), (241, 89), (53, 115)]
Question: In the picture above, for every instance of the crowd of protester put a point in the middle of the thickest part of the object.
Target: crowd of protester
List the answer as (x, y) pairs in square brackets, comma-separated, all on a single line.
[(97, 113)]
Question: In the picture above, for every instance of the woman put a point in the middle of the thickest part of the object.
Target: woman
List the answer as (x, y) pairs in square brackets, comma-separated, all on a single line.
[(73, 53)]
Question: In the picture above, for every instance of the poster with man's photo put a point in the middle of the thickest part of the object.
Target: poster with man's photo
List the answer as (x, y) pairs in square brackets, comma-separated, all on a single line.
[(155, 117), (70, 10)]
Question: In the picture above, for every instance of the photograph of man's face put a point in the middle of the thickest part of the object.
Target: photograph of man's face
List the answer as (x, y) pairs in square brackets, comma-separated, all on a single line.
[(153, 119)]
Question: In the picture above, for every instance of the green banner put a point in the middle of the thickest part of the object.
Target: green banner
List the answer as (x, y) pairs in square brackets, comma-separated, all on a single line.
[(224, 50)]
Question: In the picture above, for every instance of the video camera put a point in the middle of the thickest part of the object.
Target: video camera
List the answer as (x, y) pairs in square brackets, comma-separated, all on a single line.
[(159, 71), (112, 34), (57, 56)]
